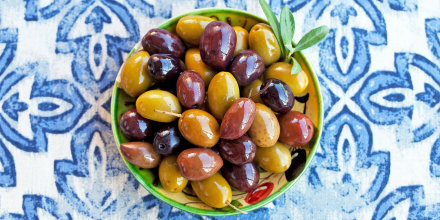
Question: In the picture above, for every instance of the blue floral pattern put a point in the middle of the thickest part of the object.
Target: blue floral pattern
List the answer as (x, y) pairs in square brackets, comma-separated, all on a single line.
[(381, 104)]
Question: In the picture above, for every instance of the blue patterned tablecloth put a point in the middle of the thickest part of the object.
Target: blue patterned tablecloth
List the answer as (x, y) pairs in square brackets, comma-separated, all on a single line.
[(379, 68)]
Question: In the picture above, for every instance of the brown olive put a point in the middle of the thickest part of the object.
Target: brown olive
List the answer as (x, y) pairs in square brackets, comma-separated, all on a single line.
[(238, 151), (296, 128), (197, 164), (134, 126), (238, 119), (243, 177), (141, 154), (164, 68), (217, 45), (162, 41), (190, 89), (246, 67)]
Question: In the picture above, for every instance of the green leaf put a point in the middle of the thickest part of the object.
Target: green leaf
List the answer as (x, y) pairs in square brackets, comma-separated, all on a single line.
[(312, 38), (287, 24), (296, 67), (273, 22)]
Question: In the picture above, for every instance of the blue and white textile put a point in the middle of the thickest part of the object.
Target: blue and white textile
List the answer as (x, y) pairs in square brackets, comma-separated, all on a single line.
[(379, 68)]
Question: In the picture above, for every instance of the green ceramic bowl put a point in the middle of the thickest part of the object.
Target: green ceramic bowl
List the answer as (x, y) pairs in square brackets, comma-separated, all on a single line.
[(271, 185)]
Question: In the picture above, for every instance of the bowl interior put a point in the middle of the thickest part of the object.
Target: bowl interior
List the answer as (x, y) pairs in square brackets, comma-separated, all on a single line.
[(271, 185)]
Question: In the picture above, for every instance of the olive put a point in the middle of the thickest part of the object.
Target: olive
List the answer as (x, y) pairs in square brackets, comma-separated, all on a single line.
[(140, 154), (299, 159), (263, 41), (162, 41), (238, 151), (296, 128), (265, 129), (252, 89), (242, 39), (134, 126), (190, 28), (199, 128), (148, 102), (169, 87), (217, 45), (134, 75), (190, 89), (214, 191), (275, 159), (222, 92), (238, 119), (199, 163), (164, 67), (169, 175), (246, 67), (242, 177), (167, 140), (277, 95), (194, 61), (297, 82)]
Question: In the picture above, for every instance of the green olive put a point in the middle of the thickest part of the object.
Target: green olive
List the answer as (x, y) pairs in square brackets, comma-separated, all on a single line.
[(148, 102), (242, 39), (297, 82), (263, 41), (222, 92), (193, 61), (275, 159), (134, 76), (190, 28), (169, 175), (199, 127), (265, 129), (251, 89), (213, 191)]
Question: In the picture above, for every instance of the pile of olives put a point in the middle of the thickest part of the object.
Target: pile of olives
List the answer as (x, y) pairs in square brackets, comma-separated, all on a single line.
[(213, 104)]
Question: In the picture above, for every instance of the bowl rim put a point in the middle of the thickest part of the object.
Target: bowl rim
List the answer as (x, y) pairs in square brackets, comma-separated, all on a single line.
[(248, 208)]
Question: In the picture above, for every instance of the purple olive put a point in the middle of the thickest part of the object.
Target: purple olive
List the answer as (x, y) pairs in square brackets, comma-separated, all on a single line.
[(190, 89), (217, 45), (164, 67), (164, 86), (299, 158), (163, 41), (277, 95), (246, 67), (242, 177), (238, 151), (134, 126), (167, 140)]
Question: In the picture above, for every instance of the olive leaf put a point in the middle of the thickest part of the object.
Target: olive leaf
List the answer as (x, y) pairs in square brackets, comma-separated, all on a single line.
[(296, 67), (284, 31), (287, 22), (273, 22), (312, 38)]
